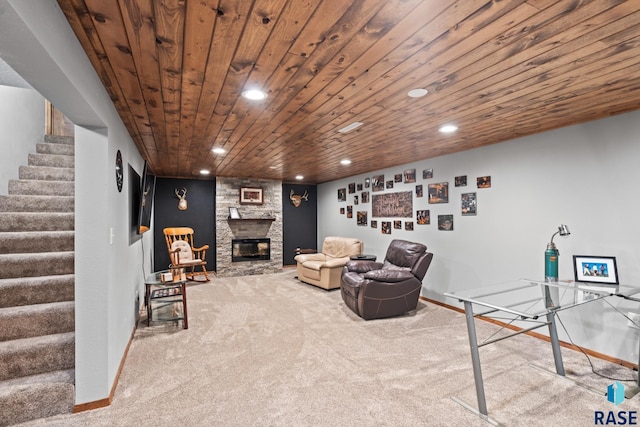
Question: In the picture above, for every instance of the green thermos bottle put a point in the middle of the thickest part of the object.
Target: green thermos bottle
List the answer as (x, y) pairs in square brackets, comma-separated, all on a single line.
[(551, 263), (551, 256)]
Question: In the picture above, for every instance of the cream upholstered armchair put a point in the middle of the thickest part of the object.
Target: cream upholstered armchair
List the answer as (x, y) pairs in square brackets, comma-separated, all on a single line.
[(324, 269)]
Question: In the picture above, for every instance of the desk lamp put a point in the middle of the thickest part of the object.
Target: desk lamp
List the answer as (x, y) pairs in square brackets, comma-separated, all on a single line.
[(551, 256)]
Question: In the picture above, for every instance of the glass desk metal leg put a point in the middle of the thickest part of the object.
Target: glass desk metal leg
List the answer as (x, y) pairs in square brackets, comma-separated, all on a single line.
[(555, 343), (475, 358), (477, 371)]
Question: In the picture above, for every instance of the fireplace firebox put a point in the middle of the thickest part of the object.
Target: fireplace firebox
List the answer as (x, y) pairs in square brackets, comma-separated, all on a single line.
[(250, 249)]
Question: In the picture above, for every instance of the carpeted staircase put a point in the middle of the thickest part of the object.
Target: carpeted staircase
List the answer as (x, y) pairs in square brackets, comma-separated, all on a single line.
[(37, 347)]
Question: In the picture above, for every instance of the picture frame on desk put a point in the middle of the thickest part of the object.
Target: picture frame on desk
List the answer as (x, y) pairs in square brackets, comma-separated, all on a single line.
[(595, 269)]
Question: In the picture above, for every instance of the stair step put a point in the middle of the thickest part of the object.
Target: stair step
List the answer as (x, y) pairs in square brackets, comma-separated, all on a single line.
[(34, 320), (36, 241), (19, 291), (29, 203), (58, 139), (33, 265), (46, 173), (54, 160), (41, 188), (36, 355), (49, 148), (37, 396), (37, 221), (37, 308)]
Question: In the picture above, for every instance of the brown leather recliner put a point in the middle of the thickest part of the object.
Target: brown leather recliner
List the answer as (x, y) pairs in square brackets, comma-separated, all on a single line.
[(375, 290)]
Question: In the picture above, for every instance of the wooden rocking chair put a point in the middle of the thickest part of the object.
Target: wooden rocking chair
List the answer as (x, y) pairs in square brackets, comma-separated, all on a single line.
[(182, 252)]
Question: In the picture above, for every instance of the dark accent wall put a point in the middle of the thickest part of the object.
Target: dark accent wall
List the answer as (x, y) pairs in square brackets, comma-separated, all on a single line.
[(300, 225), (200, 215)]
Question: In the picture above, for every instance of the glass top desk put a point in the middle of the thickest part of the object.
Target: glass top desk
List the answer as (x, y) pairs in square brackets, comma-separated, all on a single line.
[(532, 301)]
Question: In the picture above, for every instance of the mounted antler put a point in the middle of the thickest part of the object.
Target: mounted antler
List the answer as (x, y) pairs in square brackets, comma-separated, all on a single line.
[(297, 199), (182, 204), (144, 197)]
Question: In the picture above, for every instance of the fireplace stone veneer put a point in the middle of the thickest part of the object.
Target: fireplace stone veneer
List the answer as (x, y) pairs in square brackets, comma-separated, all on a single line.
[(257, 222)]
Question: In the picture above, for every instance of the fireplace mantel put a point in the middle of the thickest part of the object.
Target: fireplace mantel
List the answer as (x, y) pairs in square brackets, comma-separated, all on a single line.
[(249, 219)]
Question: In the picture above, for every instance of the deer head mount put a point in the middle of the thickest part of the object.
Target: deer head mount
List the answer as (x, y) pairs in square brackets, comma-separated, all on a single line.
[(297, 199), (144, 197), (182, 195)]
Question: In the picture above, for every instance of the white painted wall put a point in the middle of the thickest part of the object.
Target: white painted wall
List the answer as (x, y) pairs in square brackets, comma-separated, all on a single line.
[(584, 176), (37, 42), (22, 127), (92, 290)]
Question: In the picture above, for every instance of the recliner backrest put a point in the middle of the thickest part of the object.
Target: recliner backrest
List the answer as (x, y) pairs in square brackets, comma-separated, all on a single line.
[(410, 255), (340, 247), (421, 267)]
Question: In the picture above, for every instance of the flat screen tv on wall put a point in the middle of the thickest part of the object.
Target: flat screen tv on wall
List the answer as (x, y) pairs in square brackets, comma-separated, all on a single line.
[(147, 191)]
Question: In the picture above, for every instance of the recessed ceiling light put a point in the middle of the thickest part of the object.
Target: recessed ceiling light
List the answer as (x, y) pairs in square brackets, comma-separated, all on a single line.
[(448, 128), (254, 94), (204, 172), (417, 93), (299, 177), (345, 162), (219, 150), (352, 126)]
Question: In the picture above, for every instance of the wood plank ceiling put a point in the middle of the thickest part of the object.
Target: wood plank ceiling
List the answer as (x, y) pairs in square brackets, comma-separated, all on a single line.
[(175, 70)]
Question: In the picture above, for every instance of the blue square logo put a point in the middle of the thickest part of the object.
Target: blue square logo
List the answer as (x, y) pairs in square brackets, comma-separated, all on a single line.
[(615, 393)]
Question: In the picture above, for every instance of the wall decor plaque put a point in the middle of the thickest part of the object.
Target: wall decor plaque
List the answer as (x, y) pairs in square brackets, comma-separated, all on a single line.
[(392, 205)]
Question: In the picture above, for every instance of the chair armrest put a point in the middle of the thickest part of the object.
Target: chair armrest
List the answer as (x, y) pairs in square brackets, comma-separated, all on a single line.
[(363, 266), (174, 257), (201, 248), (389, 276), (201, 253), (372, 289), (309, 257), (335, 262)]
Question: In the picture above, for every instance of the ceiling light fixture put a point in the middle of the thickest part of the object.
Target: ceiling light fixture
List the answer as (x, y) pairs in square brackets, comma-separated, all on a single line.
[(219, 150), (345, 162), (417, 93), (254, 94), (299, 177), (204, 172), (351, 127), (448, 128)]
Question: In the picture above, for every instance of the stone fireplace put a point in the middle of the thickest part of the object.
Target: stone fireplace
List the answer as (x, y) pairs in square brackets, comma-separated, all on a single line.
[(261, 222)]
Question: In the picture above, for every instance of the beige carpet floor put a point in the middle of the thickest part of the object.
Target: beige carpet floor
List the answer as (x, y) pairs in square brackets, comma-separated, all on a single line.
[(270, 351)]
